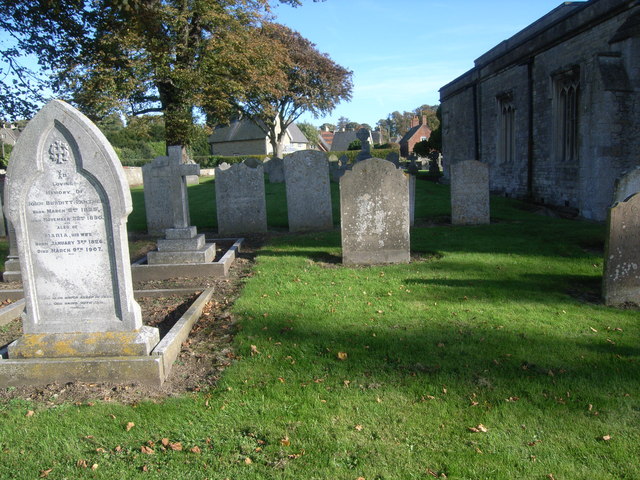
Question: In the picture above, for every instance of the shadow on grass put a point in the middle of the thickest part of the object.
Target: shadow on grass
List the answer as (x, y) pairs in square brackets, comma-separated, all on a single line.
[(462, 353), (526, 287)]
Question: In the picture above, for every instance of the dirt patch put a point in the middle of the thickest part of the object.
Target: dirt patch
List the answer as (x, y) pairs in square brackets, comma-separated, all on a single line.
[(204, 355)]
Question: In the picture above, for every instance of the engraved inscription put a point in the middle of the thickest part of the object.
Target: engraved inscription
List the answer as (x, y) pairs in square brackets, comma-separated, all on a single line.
[(69, 245)]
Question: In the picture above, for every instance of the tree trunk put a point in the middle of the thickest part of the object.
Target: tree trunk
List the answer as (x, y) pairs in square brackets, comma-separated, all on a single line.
[(178, 116)]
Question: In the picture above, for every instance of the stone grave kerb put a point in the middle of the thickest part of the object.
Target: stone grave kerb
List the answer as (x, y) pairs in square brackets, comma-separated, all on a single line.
[(68, 199)]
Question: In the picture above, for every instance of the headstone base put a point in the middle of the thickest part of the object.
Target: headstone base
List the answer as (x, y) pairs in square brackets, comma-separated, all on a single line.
[(93, 344), (375, 258), (182, 245), (12, 270)]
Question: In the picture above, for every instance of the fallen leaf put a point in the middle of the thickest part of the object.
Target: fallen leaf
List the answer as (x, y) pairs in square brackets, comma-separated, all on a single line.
[(144, 468), (479, 429), (285, 442), (254, 350), (81, 464), (605, 438), (342, 356), (118, 449), (195, 449), (247, 461), (551, 477), (359, 428), (94, 466), (147, 450), (30, 413), (130, 425), (165, 442), (513, 399), (176, 447), (593, 330), (45, 473)]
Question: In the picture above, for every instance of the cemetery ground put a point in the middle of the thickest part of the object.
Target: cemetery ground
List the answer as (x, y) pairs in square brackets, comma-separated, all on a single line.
[(490, 356)]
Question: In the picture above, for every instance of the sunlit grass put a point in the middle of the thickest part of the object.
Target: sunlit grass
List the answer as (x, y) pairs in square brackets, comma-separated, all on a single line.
[(382, 372)]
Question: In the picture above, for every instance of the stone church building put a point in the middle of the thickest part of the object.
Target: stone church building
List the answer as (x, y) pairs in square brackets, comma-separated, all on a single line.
[(554, 110)]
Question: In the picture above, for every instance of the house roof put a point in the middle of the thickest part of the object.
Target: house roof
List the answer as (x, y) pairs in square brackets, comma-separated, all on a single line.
[(341, 141), (246, 129), (296, 134), (239, 130), (412, 131), (327, 137)]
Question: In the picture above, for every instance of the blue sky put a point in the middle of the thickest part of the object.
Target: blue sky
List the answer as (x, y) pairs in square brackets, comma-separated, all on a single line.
[(402, 51)]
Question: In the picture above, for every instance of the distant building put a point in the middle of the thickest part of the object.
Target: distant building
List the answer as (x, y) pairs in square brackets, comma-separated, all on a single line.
[(244, 137), (418, 132), (554, 110), (8, 135)]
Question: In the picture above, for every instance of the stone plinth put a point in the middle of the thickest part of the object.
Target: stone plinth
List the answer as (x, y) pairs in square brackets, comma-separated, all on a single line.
[(182, 245)]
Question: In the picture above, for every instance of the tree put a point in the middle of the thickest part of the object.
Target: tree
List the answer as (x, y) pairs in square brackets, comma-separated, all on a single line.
[(132, 56), (310, 132), (311, 82), (342, 123), (329, 127)]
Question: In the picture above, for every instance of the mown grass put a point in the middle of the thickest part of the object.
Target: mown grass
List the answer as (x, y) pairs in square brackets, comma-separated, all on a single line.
[(381, 372)]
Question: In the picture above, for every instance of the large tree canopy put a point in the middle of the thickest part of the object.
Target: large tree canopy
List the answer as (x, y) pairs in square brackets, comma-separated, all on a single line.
[(134, 56), (304, 80)]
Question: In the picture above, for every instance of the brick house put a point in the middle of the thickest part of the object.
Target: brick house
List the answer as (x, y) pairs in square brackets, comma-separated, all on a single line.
[(555, 109), (418, 132)]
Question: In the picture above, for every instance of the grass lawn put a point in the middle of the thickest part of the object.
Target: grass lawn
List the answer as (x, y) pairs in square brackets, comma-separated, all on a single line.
[(488, 357)]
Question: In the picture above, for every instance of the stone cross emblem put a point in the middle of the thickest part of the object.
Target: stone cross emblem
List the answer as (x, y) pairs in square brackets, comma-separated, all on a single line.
[(178, 170), (59, 152)]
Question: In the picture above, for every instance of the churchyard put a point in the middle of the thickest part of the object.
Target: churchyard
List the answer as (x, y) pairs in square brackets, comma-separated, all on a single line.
[(490, 355)]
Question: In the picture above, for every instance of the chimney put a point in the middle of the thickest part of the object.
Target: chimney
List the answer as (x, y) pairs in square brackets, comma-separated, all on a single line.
[(424, 119), (414, 121)]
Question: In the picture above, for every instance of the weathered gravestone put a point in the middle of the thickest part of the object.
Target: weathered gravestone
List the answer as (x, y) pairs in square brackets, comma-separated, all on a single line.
[(240, 199), (68, 200), (621, 279), (274, 168), (308, 191), (374, 214), (469, 193), (394, 157), (628, 184), (12, 262), (252, 162), (182, 243), (365, 141), (3, 223)]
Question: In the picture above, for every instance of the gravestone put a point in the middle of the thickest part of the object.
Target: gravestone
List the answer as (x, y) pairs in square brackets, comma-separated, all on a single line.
[(412, 200), (3, 223), (68, 200), (365, 151), (274, 168), (12, 262), (182, 243), (156, 178), (394, 157), (308, 191), (621, 279), (252, 162), (240, 199), (628, 184), (469, 193), (374, 214)]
